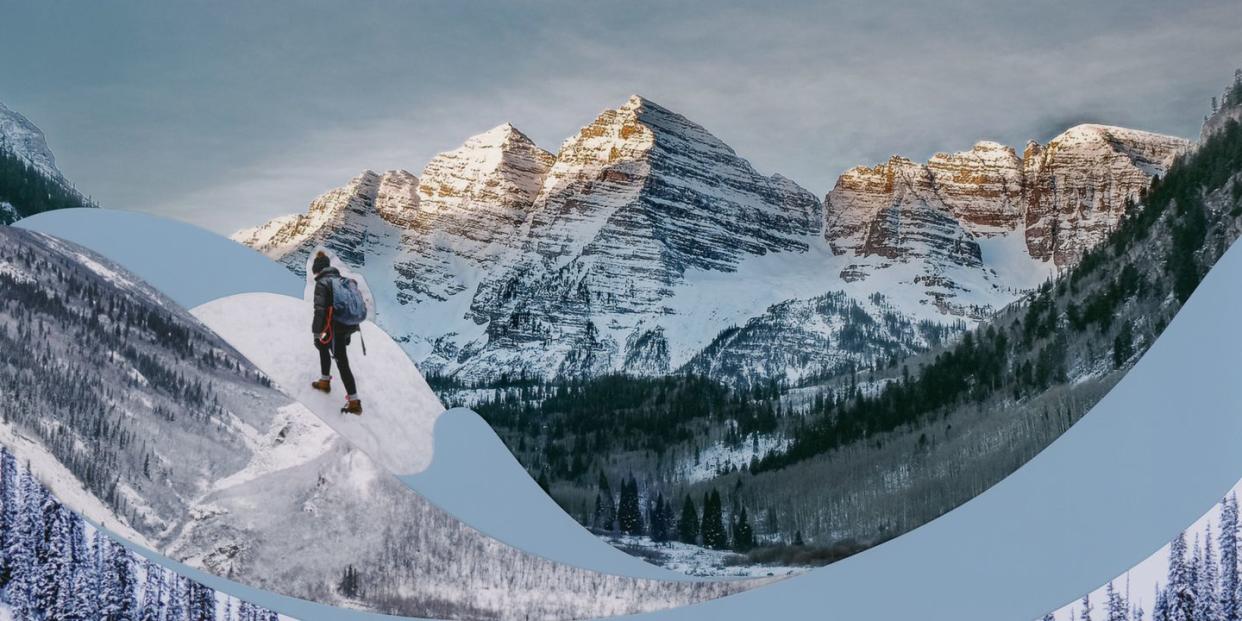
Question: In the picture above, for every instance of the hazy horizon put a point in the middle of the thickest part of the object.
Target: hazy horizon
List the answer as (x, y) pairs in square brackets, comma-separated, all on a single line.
[(228, 117)]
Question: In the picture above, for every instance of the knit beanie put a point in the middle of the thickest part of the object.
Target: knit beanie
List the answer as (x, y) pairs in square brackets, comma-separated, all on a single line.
[(320, 263)]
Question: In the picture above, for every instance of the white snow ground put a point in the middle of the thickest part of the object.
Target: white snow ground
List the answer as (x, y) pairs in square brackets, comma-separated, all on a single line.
[(399, 409)]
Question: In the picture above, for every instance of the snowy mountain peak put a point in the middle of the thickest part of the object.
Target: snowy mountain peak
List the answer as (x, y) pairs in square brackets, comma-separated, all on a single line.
[(24, 139)]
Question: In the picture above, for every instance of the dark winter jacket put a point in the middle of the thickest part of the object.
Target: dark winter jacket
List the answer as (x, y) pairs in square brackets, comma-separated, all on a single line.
[(323, 301)]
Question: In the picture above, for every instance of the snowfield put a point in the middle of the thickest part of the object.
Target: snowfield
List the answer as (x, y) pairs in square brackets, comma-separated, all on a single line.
[(399, 409)]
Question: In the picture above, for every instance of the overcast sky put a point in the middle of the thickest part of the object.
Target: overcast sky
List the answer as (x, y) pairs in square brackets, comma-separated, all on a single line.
[(227, 115)]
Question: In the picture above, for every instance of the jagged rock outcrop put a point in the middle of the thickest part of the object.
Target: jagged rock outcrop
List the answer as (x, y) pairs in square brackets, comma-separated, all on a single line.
[(635, 200), (354, 221), (1078, 185), (1059, 199)]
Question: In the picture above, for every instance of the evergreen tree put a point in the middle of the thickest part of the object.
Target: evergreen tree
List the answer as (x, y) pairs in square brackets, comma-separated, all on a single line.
[(201, 601), (1086, 608), (84, 605), (743, 534), (1115, 604), (1207, 599), (349, 585), (177, 605), (55, 572), (1179, 598), (8, 511), (713, 529), (1161, 610), (1228, 598), (629, 518), (22, 550), (656, 516), (605, 507), (688, 525), (118, 595), (152, 608)]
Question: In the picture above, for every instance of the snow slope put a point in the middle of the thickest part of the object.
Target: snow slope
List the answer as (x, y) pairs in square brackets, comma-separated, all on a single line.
[(273, 332), (162, 251), (457, 463)]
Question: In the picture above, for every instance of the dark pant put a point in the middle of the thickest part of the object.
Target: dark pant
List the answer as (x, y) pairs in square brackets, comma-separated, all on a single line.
[(339, 351)]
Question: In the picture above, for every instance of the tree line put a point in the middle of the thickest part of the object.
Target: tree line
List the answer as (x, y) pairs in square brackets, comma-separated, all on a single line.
[(29, 191), (55, 566), (1029, 355), (627, 514)]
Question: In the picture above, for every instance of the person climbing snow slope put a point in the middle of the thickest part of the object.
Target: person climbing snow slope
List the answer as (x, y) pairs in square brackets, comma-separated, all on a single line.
[(339, 310)]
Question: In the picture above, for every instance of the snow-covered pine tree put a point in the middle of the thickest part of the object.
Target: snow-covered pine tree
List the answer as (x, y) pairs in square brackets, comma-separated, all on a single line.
[(1179, 604), (55, 572), (1160, 612), (1086, 608), (8, 510), (1228, 591), (1115, 605), (177, 605), (152, 600), (119, 584), (22, 550), (1207, 598), (201, 600)]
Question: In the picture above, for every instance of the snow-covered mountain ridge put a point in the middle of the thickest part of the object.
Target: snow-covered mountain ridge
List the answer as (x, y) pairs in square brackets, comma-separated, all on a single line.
[(646, 237), (24, 139), (30, 182)]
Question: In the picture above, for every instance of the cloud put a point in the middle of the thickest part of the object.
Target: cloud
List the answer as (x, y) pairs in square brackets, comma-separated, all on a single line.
[(229, 122)]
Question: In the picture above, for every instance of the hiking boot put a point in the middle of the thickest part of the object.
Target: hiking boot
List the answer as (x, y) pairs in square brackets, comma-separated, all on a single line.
[(352, 406), (322, 385)]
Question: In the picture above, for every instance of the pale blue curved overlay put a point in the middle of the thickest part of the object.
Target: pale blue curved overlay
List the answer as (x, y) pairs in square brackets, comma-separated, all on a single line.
[(1147, 461), (473, 475), (189, 264), (1155, 454)]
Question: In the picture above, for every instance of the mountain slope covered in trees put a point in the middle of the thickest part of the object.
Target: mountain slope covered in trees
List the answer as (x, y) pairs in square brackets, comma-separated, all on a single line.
[(30, 183), (57, 567), (150, 424), (847, 461)]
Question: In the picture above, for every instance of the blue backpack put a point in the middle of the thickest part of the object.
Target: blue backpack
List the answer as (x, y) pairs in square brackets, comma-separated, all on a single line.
[(348, 305)]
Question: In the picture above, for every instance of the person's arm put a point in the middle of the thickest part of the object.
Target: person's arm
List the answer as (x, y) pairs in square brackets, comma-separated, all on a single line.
[(323, 294)]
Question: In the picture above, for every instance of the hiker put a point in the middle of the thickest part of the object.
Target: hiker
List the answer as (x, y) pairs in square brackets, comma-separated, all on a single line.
[(339, 309)]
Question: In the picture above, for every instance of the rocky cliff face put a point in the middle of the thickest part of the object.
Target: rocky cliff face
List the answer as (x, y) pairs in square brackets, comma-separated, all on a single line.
[(1077, 186), (646, 241), (635, 200), (987, 214)]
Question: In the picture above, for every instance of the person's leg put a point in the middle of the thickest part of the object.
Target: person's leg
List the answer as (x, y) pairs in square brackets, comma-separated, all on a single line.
[(339, 350), (325, 360)]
